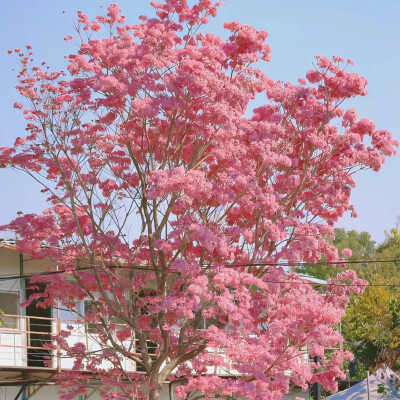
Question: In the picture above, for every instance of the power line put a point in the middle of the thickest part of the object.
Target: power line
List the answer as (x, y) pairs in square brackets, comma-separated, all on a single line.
[(282, 264), (26, 276), (304, 263)]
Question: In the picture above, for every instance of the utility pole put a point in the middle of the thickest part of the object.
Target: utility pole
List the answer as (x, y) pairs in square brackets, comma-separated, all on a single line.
[(22, 298), (317, 385)]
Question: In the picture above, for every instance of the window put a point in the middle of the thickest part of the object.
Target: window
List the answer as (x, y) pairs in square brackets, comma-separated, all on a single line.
[(9, 304), (91, 327), (205, 323), (152, 350), (89, 307), (145, 296)]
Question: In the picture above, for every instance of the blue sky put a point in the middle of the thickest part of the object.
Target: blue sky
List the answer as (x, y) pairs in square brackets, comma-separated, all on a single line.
[(366, 31)]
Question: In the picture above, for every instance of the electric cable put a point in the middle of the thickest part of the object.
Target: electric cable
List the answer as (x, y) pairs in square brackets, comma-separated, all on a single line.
[(276, 264)]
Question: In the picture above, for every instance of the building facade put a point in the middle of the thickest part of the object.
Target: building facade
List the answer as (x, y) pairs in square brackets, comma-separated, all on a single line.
[(27, 369)]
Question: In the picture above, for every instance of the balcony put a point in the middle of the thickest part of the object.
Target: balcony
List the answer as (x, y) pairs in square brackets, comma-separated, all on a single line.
[(23, 342)]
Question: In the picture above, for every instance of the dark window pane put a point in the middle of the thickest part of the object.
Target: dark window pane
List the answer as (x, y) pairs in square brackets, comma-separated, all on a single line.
[(9, 304)]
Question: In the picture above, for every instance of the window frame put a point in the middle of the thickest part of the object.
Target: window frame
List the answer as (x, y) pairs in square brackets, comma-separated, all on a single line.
[(16, 319)]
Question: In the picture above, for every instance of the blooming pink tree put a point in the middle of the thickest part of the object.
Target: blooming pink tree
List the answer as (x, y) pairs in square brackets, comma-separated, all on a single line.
[(170, 208)]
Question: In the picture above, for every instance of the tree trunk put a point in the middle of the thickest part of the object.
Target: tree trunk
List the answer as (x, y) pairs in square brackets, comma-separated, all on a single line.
[(155, 394)]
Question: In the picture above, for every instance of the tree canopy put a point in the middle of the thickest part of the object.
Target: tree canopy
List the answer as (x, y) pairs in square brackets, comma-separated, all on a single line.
[(172, 208)]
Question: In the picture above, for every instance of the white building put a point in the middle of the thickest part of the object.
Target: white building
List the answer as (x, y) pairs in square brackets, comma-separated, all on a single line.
[(27, 370)]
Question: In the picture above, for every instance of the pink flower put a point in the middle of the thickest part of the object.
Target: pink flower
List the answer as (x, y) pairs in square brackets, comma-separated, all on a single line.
[(314, 76), (19, 141), (346, 253)]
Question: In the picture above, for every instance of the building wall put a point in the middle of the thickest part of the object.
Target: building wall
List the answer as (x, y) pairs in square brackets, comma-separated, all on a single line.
[(12, 353)]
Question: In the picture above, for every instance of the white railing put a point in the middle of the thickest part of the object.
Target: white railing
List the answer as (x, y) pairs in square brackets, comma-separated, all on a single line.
[(23, 341)]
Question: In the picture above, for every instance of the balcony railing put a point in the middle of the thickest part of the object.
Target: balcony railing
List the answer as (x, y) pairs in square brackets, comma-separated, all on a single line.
[(23, 341)]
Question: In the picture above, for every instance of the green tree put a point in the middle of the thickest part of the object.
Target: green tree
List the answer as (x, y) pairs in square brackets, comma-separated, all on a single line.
[(371, 327), (360, 244), (391, 246)]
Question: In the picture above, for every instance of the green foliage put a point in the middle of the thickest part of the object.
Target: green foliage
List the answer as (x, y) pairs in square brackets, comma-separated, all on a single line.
[(360, 244), (382, 389), (358, 369), (361, 372), (371, 327), (394, 306), (391, 246)]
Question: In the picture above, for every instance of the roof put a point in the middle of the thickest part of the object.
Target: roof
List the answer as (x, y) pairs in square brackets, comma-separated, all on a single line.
[(8, 244), (311, 279)]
